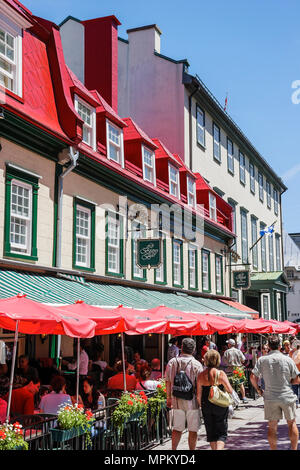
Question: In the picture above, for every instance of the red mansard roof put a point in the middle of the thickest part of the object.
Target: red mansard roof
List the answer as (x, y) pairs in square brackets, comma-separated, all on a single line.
[(134, 132), (163, 152)]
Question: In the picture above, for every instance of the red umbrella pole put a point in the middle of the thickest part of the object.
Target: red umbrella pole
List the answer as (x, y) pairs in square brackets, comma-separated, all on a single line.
[(162, 355), (123, 361), (12, 372), (77, 371)]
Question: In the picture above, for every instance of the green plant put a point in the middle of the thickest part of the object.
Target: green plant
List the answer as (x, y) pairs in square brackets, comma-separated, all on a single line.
[(237, 378), (130, 406), (74, 416), (158, 400), (11, 437)]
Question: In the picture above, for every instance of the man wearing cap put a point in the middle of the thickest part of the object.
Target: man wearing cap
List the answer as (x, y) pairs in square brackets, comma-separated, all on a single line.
[(233, 358)]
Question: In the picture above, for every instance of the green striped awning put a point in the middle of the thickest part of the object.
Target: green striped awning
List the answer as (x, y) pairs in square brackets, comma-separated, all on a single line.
[(66, 290)]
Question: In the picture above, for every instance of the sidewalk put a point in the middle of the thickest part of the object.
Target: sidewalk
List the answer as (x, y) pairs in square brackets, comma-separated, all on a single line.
[(247, 430)]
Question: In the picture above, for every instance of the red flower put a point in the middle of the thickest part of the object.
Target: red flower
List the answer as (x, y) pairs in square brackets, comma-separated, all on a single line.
[(16, 424), (132, 395), (2, 435), (80, 406), (130, 402), (235, 372), (159, 386)]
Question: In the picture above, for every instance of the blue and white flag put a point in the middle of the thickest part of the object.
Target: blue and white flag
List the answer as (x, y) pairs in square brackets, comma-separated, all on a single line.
[(269, 230)]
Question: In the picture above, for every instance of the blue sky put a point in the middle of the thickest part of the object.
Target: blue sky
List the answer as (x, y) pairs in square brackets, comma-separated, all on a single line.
[(250, 49)]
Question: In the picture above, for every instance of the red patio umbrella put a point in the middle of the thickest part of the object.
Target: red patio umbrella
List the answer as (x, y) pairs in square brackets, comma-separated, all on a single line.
[(280, 327), (107, 321), (20, 314), (252, 326)]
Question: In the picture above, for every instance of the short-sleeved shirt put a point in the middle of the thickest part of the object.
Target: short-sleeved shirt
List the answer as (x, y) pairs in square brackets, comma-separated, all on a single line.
[(51, 403), (192, 368), (22, 402), (233, 357), (277, 370)]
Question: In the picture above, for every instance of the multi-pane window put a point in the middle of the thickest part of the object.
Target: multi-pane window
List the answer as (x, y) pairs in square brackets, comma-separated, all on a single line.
[(114, 244), (88, 115), (137, 233), (275, 195), (230, 157), (11, 60), (242, 168), (263, 249), (160, 273), (252, 177), (174, 181), (244, 236), (261, 186), (205, 270), (114, 143), (149, 165), (219, 274), (177, 263), (217, 146), (191, 191), (200, 126), (271, 253), (268, 189), (278, 252), (212, 207), (254, 239), (193, 281), (83, 236), (20, 217), (265, 307)]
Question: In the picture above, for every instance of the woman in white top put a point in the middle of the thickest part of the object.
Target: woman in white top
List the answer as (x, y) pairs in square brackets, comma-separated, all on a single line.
[(145, 383), (51, 402)]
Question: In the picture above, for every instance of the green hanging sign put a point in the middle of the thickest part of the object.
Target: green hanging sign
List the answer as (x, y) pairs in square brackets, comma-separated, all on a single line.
[(241, 279), (148, 253)]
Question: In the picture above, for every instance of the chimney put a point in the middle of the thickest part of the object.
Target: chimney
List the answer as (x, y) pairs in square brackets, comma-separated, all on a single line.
[(101, 58), (147, 37)]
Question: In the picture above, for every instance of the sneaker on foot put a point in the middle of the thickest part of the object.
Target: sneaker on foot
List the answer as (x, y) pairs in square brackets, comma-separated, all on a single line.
[(244, 400)]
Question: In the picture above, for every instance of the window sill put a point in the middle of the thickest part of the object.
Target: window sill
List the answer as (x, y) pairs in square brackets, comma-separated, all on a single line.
[(14, 96), (193, 288), (141, 279), (19, 256), (230, 172), (218, 161), (178, 285), (161, 283), (203, 147), (120, 275), (83, 268)]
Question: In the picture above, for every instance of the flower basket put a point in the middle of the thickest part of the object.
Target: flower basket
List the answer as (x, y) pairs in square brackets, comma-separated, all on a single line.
[(11, 437), (62, 435)]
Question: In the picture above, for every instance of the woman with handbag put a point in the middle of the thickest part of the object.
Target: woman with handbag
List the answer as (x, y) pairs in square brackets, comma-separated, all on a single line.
[(213, 401)]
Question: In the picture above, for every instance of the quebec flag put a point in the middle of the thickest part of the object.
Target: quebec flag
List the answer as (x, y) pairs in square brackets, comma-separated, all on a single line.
[(268, 230)]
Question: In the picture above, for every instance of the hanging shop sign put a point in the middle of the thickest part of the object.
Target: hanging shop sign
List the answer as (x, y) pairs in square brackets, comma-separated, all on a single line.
[(148, 253), (241, 279)]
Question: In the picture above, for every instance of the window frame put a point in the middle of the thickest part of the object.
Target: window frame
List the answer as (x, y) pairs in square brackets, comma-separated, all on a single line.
[(278, 252), (28, 180), (16, 32), (198, 125), (91, 127), (119, 218), (211, 208), (219, 258), (164, 263), (244, 240), (108, 142), (188, 179), (242, 168), (254, 239), (252, 177), (177, 181), (89, 208), (203, 253), (137, 228), (263, 250), (261, 186), (216, 143), (144, 149), (230, 157), (271, 253), (175, 241), (193, 248), (269, 192), (276, 201)]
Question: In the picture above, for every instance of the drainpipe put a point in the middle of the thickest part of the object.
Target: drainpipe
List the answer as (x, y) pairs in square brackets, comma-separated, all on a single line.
[(73, 157), (191, 127)]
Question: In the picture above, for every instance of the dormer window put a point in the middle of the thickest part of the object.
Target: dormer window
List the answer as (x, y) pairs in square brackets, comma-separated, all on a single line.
[(115, 150), (191, 192), (148, 165), (174, 181), (212, 207), (88, 115), (11, 58)]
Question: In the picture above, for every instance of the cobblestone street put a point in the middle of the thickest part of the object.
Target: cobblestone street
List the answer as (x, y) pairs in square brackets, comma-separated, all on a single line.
[(247, 430)]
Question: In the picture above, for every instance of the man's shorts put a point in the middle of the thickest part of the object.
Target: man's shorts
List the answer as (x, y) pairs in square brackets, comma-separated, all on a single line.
[(189, 420), (274, 410)]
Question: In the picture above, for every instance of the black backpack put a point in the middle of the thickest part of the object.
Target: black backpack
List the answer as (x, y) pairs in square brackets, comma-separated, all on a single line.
[(183, 386)]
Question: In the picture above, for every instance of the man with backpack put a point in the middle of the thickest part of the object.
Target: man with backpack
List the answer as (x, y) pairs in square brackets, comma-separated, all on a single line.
[(181, 384)]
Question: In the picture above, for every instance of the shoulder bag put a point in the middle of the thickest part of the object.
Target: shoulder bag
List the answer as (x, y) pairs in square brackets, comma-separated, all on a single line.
[(217, 396)]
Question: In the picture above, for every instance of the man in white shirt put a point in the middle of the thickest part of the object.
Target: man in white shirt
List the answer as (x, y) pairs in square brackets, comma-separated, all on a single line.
[(83, 363), (233, 358)]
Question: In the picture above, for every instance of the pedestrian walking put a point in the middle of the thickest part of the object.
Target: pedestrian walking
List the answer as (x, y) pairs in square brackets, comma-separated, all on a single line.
[(181, 384), (215, 416), (173, 349), (278, 371), (233, 357)]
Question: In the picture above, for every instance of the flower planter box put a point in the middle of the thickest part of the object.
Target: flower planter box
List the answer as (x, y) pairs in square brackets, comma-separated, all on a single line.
[(62, 435)]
